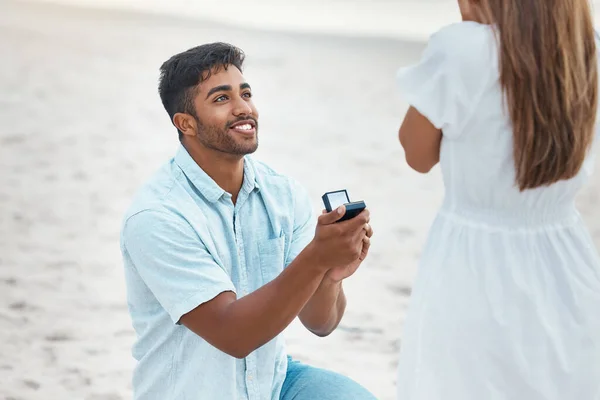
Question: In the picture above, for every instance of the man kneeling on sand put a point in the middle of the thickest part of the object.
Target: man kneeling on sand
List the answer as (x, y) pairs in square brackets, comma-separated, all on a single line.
[(221, 253)]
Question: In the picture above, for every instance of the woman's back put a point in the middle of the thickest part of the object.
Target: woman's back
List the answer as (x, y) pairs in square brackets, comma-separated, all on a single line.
[(505, 304), (477, 151)]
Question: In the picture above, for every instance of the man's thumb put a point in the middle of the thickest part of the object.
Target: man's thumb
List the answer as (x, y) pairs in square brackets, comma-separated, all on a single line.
[(333, 216)]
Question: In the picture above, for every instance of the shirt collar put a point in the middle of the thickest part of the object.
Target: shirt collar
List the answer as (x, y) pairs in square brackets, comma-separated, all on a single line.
[(204, 183)]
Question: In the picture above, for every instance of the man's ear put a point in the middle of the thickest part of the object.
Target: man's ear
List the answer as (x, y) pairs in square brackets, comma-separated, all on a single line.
[(186, 124)]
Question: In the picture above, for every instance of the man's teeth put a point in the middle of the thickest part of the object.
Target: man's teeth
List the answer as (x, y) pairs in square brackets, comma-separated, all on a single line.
[(245, 127)]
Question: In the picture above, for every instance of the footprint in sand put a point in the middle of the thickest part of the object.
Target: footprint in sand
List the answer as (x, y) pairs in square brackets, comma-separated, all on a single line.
[(59, 337), (21, 306), (10, 281), (31, 384), (404, 233), (401, 289)]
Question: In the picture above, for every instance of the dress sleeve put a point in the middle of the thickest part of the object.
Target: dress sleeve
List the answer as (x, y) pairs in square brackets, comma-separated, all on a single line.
[(445, 83)]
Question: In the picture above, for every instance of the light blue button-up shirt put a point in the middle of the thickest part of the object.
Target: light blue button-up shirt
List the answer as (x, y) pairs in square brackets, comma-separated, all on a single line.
[(184, 242)]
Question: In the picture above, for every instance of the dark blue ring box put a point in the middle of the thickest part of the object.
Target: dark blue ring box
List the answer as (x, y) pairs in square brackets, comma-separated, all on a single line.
[(352, 208)]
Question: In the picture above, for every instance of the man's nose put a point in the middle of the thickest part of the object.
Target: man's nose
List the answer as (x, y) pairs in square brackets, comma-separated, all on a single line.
[(242, 107)]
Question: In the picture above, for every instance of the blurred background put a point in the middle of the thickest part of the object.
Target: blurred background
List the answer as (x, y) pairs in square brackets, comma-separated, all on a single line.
[(82, 127)]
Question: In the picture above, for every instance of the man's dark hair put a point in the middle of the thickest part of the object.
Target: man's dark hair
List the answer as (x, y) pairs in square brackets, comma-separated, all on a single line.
[(181, 74)]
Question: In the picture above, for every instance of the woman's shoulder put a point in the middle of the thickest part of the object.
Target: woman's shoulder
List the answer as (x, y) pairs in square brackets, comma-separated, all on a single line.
[(467, 48), (463, 30), (462, 39), (451, 75)]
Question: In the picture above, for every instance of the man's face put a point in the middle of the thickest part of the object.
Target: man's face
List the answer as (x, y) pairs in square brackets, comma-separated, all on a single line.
[(227, 119)]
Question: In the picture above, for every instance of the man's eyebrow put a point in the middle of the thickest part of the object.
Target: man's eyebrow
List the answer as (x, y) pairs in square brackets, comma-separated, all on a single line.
[(221, 88), (245, 86)]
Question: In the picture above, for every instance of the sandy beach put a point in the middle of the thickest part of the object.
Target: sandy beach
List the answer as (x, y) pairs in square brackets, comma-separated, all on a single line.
[(82, 127)]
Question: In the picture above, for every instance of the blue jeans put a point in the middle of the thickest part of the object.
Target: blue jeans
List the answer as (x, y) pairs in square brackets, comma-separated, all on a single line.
[(303, 382)]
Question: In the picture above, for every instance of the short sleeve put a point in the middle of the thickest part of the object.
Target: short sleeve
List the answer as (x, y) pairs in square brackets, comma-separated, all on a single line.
[(445, 83), (304, 222), (173, 262)]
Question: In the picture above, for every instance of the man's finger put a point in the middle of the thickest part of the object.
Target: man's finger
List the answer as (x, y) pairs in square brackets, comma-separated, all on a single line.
[(366, 244), (333, 216), (368, 229), (361, 237), (357, 223)]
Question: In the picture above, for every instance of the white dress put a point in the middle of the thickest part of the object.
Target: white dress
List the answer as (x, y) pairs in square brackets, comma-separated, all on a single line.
[(506, 303)]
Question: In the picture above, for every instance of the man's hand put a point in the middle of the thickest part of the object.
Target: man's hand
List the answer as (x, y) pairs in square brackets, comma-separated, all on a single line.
[(344, 245), (338, 274), (338, 245)]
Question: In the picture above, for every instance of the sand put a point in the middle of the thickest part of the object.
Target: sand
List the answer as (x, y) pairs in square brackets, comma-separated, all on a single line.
[(400, 19), (414, 19), (81, 127)]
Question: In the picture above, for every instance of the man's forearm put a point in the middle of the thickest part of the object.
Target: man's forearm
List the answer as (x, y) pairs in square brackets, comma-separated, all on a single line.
[(240, 326), (252, 321), (324, 311)]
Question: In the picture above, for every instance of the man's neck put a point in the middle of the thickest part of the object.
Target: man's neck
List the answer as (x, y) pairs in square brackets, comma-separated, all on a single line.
[(226, 170)]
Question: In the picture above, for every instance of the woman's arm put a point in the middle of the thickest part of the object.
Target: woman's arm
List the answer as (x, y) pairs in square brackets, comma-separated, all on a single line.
[(421, 141)]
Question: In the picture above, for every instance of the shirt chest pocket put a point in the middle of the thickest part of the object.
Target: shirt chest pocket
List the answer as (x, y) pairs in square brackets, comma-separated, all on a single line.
[(272, 257)]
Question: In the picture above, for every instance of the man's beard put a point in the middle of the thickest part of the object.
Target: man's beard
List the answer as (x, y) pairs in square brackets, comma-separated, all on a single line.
[(222, 139)]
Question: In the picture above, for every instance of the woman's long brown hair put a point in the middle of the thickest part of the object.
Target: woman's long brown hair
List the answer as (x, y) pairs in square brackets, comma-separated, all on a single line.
[(548, 71)]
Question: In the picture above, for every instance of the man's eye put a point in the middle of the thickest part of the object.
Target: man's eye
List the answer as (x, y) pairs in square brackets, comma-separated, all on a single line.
[(247, 94), (220, 99)]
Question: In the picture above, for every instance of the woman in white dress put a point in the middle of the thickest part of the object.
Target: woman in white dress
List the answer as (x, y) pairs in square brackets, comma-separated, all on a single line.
[(506, 304)]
